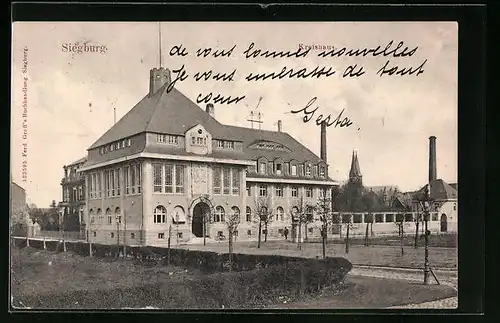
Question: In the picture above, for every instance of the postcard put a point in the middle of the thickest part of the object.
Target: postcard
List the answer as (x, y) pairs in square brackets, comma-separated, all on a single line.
[(234, 165)]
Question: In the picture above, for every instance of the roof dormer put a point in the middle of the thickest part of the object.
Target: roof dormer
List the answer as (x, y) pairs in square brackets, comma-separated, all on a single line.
[(198, 140)]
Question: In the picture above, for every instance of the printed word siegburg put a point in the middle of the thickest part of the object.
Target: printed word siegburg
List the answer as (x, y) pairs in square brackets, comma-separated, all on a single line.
[(79, 48)]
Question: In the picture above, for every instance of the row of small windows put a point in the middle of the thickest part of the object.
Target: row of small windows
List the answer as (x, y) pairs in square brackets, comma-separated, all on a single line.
[(225, 144), (76, 196), (115, 146), (167, 139), (168, 178), (263, 191), (109, 216), (226, 180), (108, 183), (309, 170), (381, 218)]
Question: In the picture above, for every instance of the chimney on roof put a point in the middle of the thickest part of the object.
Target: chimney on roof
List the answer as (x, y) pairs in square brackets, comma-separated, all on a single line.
[(323, 142), (210, 109), (157, 78), (280, 126), (432, 159)]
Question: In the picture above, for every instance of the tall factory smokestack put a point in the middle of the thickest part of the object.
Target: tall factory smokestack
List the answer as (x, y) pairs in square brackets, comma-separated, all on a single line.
[(432, 159), (323, 142)]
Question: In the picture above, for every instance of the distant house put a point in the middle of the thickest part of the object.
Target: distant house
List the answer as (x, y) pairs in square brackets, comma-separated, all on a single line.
[(444, 201), (72, 205), (17, 198)]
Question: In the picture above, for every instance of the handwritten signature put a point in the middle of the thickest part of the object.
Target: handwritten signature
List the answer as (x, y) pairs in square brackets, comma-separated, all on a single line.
[(309, 114)]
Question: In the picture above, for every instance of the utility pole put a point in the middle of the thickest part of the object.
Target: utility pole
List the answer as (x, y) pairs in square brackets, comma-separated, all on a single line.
[(204, 219), (125, 232), (426, 219)]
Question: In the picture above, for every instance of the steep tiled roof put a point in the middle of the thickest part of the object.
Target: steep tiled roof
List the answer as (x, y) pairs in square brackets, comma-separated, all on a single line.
[(439, 190), (173, 113), (355, 170)]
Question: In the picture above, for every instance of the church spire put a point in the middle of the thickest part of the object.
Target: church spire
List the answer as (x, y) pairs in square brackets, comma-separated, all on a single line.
[(355, 172)]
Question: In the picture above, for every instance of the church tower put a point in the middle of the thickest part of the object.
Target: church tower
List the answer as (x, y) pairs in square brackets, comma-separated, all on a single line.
[(355, 183), (355, 173)]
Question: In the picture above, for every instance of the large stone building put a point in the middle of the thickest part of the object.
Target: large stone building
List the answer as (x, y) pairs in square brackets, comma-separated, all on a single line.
[(168, 165), (72, 206)]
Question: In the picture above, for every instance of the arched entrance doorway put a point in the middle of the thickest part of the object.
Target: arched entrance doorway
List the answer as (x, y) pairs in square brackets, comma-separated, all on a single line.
[(201, 212), (444, 223)]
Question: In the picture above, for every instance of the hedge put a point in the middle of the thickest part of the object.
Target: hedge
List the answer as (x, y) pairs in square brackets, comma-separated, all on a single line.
[(205, 261), (245, 289)]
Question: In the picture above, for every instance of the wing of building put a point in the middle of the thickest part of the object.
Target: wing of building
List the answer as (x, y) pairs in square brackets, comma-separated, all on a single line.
[(170, 165)]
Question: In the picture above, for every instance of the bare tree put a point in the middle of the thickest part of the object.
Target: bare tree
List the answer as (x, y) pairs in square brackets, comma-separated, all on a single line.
[(400, 224), (263, 216), (232, 222), (324, 210), (418, 218), (369, 204), (301, 213), (347, 222)]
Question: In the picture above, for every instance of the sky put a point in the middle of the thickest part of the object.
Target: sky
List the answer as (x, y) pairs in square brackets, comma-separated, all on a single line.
[(71, 96)]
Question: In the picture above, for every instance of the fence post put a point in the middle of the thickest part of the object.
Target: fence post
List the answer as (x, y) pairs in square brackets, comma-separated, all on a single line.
[(64, 245), (44, 246), (90, 249)]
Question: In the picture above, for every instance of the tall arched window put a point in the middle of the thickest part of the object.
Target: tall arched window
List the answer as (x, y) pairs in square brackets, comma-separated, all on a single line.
[(309, 214), (92, 216), (280, 214), (295, 213), (108, 215), (219, 214), (160, 214), (263, 213), (118, 215), (179, 216), (249, 214), (99, 215), (235, 214)]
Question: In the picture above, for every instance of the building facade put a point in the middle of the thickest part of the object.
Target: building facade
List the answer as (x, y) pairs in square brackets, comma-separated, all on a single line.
[(18, 202), (72, 206), (169, 168)]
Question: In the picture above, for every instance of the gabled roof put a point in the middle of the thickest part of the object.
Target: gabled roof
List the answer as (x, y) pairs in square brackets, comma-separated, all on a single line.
[(173, 113), (17, 186), (439, 190)]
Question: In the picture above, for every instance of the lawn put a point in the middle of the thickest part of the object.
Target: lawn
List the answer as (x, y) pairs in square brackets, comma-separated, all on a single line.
[(40, 272), (358, 255)]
